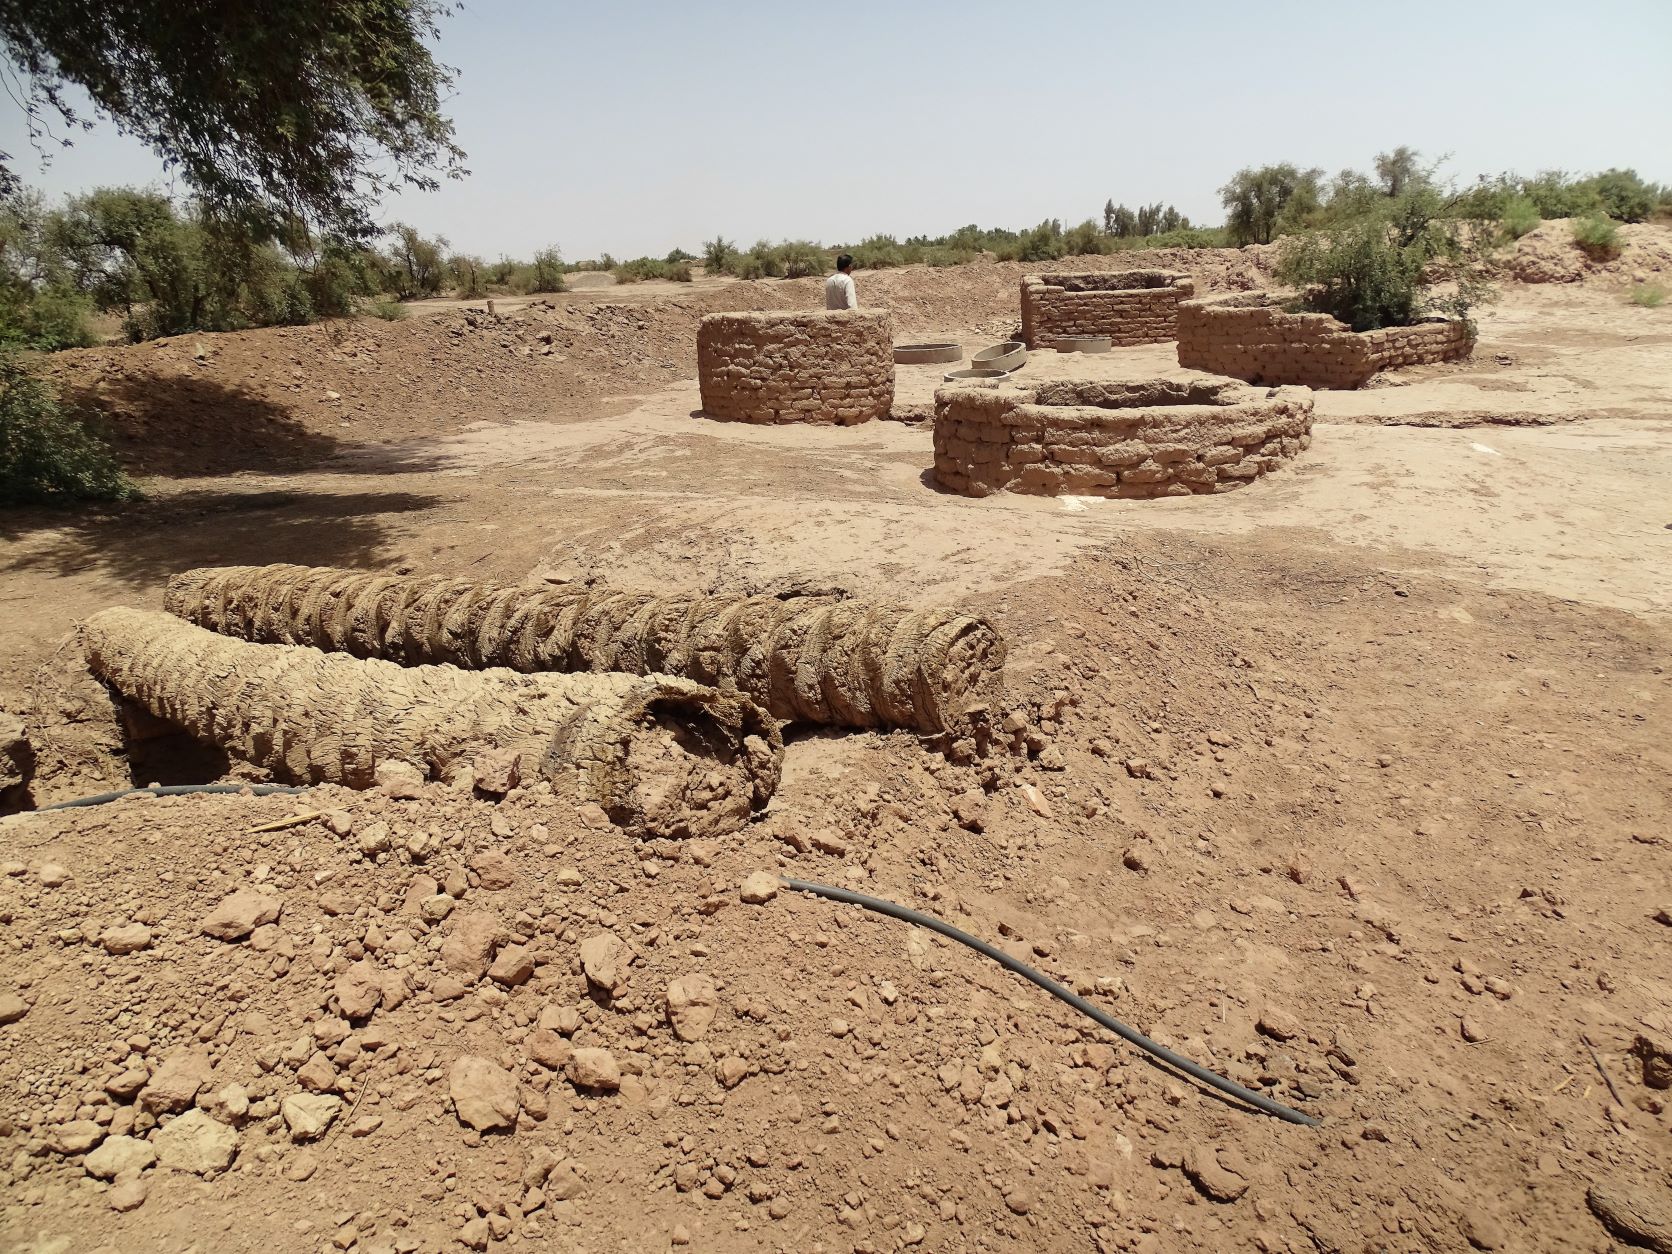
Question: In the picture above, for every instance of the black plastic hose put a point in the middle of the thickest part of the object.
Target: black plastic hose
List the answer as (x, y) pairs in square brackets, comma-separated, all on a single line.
[(1211, 1078), (175, 790)]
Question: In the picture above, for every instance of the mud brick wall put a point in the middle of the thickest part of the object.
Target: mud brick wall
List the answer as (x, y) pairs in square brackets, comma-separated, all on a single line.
[(1129, 306), (1161, 438), (1251, 337), (823, 366)]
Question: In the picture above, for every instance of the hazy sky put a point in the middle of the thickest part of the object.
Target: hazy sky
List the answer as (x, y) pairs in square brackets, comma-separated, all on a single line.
[(631, 127)]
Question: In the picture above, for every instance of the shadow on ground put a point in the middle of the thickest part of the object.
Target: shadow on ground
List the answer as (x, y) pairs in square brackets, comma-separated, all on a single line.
[(186, 427), (146, 542)]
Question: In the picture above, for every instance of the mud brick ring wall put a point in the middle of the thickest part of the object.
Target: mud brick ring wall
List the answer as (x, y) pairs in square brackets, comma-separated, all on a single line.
[(1129, 306), (1252, 337), (1157, 438), (818, 366)]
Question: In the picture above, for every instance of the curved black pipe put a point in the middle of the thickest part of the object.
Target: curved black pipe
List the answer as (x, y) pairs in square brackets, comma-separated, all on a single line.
[(1211, 1078)]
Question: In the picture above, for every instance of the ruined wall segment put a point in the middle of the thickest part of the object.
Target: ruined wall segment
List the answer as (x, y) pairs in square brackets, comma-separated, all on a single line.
[(818, 366), (1128, 306), (1253, 338), (1158, 438)]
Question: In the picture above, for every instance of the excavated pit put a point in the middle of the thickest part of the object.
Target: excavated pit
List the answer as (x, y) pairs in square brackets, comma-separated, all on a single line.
[(804, 659), (662, 756)]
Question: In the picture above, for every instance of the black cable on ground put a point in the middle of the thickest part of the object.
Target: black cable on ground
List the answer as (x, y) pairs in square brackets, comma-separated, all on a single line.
[(1211, 1078), (175, 790)]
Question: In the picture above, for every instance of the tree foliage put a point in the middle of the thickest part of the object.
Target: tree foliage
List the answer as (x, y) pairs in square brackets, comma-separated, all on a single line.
[(290, 110), (47, 453), (1260, 202)]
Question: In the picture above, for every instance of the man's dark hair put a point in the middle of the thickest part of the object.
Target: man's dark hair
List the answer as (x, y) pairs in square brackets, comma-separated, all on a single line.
[(845, 261)]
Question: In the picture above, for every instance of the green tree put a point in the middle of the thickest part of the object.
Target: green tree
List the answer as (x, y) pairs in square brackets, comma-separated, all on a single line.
[(1261, 202), (417, 266), (1398, 170), (546, 273), (292, 109), (1624, 196)]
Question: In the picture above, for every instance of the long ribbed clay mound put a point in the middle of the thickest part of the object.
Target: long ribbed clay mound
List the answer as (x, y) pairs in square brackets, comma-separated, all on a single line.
[(813, 659), (663, 756)]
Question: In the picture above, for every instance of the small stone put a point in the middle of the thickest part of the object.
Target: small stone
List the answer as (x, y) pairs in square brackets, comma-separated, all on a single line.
[(969, 808), (196, 1142), (12, 1008), (125, 940), (1279, 1025), (1134, 859), (398, 779), (359, 991), (512, 967), (595, 1069), (470, 947), (119, 1154), (240, 914), (691, 1002), (547, 1048), (564, 1020), (493, 870), (75, 1137), (681, 1235), (53, 875), (177, 1082), (128, 1194), (1636, 1217), (1019, 1201), (317, 1074), (1210, 1175), (484, 1095), (1480, 1230), (731, 1070), (308, 1115), (759, 888), (497, 772), (603, 961), (1472, 1031)]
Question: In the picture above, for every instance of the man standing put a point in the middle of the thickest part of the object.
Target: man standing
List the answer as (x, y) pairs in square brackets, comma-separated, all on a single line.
[(839, 291)]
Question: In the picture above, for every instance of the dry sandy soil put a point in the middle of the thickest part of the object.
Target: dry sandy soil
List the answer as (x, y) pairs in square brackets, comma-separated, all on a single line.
[(1351, 785)]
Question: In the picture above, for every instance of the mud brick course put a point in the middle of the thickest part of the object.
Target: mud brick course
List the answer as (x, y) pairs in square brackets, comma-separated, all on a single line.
[(1160, 438), (821, 366), (1252, 337), (1129, 306)]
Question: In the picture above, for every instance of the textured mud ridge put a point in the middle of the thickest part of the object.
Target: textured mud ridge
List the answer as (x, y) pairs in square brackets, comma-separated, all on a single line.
[(813, 659), (662, 756)]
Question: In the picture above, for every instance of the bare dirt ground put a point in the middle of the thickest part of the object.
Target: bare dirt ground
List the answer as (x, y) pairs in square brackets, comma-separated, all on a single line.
[(1350, 784)]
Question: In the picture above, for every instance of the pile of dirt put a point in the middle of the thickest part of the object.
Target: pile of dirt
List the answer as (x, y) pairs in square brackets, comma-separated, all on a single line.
[(357, 1021), (1548, 254)]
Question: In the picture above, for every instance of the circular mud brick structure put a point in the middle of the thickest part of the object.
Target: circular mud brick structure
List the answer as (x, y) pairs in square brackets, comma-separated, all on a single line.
[(1254, 336), (1128, 306), (1011, 355), (927, 354), (818, 366), (1158, 438), (958, 376)]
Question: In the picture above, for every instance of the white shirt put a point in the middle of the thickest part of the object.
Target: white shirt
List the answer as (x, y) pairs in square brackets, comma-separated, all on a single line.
[(840, 293)]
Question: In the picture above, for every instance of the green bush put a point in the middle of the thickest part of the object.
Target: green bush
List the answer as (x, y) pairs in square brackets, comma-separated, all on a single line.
[(717, 255), (1379, 271), (47, 453), (44, 318), (678, 255), (1518, 215), (1598, 237), (746, 266), (545, 273), (388, 310), (1647, 295), (1623, 196)]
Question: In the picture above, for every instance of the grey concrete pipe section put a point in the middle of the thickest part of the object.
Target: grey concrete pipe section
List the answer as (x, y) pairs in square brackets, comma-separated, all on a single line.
[(927, 354), (1011, 355)]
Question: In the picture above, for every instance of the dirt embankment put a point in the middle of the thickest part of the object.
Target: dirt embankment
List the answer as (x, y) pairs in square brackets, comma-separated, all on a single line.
[(359, 1022)]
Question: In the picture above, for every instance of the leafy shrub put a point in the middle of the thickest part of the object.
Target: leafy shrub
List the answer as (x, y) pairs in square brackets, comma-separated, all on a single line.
[(1647, 295), (388, 310), (1597, 237), (47, 453), (717, 255), (44, 318), (1518, 215), (545, 273), (746, 266), (1378, 272), (639, 269), (1623, 196), (679, 272), (678, 255)]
